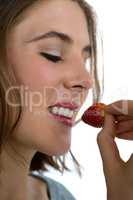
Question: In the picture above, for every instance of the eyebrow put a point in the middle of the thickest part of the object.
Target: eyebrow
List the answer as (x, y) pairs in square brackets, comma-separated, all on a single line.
[(62, 36)]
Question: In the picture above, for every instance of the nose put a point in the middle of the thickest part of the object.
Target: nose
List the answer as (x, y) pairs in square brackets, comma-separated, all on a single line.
[(77, 76)]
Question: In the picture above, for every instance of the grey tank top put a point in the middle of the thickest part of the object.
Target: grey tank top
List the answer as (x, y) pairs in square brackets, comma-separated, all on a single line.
[(56, 191)]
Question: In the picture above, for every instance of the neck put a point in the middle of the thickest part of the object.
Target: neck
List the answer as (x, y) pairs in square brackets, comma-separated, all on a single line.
[(14, 179)]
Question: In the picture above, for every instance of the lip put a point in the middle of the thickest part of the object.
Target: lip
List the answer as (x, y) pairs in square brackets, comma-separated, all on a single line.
[(70, 105), (66, 121)]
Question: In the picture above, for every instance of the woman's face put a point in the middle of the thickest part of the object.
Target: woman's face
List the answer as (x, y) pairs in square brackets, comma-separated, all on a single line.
[(50, 69)]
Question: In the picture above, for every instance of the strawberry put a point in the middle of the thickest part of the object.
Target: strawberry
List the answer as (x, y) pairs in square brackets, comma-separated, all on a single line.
[(94, 115)]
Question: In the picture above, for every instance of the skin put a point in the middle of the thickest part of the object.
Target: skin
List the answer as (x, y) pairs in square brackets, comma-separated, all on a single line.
[(38, 132), (41, 133), (118, 173)]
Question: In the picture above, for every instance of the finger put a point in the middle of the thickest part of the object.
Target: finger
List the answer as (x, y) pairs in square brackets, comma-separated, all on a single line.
[(124, 107), (126, 135), (121, 118), (124, 126), (108, 147)]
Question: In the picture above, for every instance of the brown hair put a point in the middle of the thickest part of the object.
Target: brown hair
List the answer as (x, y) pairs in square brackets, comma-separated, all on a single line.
[(10, 11)]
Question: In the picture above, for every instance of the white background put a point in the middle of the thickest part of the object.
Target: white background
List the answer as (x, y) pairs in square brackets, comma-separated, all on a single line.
[(115, 20)]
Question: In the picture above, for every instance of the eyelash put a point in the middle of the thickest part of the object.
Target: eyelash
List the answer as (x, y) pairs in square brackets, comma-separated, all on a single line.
[(51, 57)]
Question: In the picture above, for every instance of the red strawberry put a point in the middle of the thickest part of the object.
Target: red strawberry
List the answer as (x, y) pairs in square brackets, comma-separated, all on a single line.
[(94, 115)]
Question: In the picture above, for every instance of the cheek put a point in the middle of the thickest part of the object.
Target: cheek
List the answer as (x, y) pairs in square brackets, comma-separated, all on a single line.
[(39, 133), (34, 72)]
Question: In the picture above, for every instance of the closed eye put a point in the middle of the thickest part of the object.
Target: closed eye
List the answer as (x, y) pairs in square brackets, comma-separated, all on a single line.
[(51, 57)]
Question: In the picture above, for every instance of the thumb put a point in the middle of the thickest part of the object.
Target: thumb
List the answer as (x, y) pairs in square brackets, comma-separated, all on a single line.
[(107, 145)]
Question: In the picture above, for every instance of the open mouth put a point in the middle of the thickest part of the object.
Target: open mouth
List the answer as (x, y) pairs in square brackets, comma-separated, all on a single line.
[(65, 116), (62, 112)]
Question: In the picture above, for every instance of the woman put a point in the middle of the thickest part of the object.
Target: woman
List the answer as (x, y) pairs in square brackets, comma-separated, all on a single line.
[(44, 48), (43, 63)]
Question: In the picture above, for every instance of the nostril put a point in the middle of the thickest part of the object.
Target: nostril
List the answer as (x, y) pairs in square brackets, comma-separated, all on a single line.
[(78, 81), (83, 85), (78, 86), (77, 91)]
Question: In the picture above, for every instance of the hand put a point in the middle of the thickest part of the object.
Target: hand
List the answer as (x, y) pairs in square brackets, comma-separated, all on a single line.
[(118, 174), (123, 113)]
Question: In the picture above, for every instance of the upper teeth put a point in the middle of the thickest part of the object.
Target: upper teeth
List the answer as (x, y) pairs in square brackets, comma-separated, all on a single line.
[(62, 111)]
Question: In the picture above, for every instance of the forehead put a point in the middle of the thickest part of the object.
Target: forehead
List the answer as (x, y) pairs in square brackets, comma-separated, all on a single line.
[(62, 15)]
